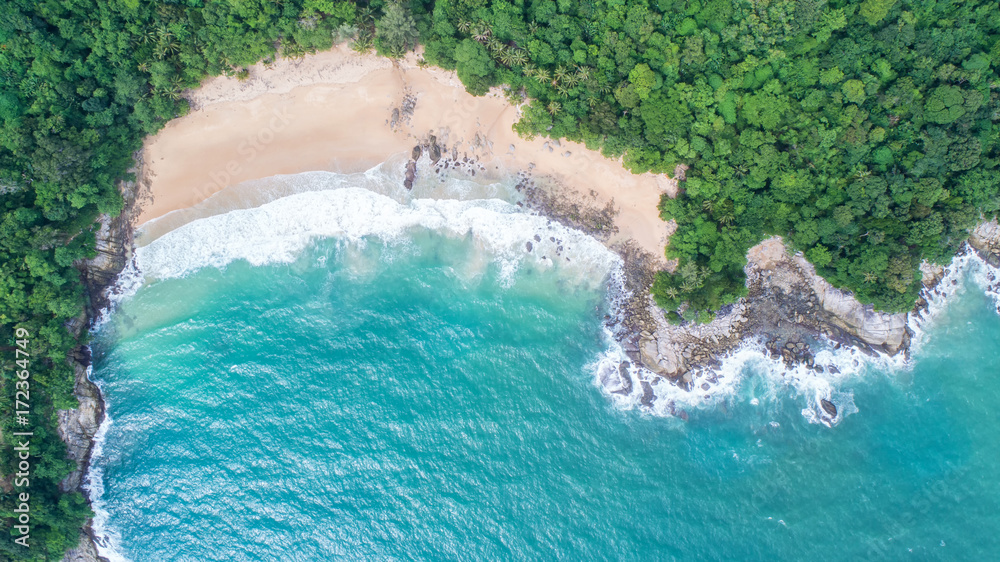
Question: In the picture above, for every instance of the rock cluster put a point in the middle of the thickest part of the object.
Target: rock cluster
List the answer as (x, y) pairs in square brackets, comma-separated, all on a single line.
[(789, 309), (567, 207), (441, 160), (402, 115)]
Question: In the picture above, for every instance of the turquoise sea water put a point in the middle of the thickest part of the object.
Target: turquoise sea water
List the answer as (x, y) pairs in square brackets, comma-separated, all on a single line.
[(416, 397)]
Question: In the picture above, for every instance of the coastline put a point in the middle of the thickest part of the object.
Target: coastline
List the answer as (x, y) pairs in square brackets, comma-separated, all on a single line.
[(341, 111), (236, 113)]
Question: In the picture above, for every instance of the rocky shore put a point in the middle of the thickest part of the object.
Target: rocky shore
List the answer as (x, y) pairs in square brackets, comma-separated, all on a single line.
[(790, 310)]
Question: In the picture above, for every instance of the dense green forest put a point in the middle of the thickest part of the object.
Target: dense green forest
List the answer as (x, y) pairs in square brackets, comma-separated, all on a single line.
[(865, 132)]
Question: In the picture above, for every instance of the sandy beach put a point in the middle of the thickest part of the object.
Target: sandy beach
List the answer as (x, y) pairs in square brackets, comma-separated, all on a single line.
[(334, 111)]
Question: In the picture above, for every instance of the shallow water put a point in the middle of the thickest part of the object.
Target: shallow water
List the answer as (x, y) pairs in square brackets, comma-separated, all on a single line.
[(427, 391)]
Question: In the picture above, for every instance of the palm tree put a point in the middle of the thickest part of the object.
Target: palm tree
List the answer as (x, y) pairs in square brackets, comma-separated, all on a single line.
[(176, 90), (147, 36), (506, 56), (366, 14), (871, 277), (164, 34), (164, 49), (554, 107), (533, 28), (571, 80), (480, 32), (519, 56), (559, 74), (529, 70), (494, 45), (562, 90), (542, 75), (464, 25), (583, 73)]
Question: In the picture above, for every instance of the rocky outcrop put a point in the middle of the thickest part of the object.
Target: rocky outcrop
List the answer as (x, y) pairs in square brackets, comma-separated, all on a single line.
[(78, 426), (879, 330), (85, 551), (789, 308), (985, 239)]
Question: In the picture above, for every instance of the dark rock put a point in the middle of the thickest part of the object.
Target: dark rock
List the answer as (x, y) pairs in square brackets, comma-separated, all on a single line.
[(527, 246), (828, 407), (538, 238), (625, 378), (434, 149), (417, 150), (411, 174), (647, 394)]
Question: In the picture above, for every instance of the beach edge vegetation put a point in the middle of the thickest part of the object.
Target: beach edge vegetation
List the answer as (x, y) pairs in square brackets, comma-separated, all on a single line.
[(864, 132)]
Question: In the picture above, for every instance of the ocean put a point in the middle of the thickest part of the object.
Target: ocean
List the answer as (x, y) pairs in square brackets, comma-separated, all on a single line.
[(326, 366)]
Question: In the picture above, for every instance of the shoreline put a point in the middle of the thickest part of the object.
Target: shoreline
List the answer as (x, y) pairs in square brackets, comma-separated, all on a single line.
[(340, 111)]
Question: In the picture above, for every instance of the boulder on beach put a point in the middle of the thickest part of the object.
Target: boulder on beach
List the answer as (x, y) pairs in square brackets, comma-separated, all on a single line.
[(411, 174)]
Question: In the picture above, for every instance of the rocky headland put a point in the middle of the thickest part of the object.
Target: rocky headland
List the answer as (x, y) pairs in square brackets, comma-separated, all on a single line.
[(790, 311)]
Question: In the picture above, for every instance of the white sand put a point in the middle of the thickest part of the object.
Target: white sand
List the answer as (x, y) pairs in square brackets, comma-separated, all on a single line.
[(330, 111)]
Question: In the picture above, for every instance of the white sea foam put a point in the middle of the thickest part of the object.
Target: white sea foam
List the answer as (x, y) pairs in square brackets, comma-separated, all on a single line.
[(967, 265), (107, 540), (734, 380), (278, 231), (384, 179)]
